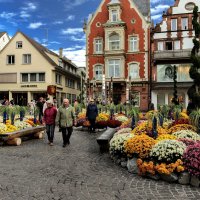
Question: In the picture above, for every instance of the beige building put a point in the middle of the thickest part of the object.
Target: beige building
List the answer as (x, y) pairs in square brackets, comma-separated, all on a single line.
[(28, 68)]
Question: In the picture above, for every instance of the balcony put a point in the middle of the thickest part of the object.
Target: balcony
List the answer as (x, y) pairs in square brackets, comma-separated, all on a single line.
[(172, 54)]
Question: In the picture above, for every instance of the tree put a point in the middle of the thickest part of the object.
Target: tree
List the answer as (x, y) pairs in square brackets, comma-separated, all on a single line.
[(194, 90)]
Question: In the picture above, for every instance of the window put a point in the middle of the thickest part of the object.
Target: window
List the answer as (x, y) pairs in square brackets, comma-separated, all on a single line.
[(168, 45), (160, 46), (10, 59), (19, 44), (114, 68), (177, 45), (98, 72), (58, 79), (24, 77), (114, 16), (134, 43), (184, 23), (114, 42), (174, 24), (41, 77), (98, 46), (26, 58), (33, 77), (134, 71), (70, 83)]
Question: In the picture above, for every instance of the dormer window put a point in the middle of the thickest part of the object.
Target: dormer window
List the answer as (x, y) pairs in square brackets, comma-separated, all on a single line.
[(114, 16)]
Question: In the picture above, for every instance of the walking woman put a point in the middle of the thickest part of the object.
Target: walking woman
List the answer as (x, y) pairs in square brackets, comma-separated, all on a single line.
[(49, 119)]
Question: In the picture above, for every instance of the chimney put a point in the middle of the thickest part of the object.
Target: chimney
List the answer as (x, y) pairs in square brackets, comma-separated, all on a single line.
[(61, 52)]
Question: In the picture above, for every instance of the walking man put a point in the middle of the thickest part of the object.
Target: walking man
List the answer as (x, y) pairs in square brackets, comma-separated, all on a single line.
[(49, 119), (66, 118)]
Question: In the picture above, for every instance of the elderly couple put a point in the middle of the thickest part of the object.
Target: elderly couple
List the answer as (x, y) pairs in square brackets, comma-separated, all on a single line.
[(64, 116)]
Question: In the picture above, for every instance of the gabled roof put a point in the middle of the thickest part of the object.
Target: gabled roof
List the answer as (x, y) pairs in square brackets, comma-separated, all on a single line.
[(2, 33), (143, 6), (43, 50)]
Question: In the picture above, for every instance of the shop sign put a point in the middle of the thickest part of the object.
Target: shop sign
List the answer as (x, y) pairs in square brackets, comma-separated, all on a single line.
[(28, 86)]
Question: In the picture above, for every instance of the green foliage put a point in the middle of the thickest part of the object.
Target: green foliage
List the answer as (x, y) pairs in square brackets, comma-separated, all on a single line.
[(164, 110), (195, 117), (193, 92)]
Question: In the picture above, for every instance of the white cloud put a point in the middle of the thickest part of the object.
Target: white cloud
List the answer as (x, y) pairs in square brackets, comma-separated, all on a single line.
[(29, 6), (58, 22), (70, 18), (78, 39), (7, 15), (35, 25), (155, 1), (155, 17), (24, 14), (72, 31), (158, 9), (76, 56), (54, 42), (70, 4)]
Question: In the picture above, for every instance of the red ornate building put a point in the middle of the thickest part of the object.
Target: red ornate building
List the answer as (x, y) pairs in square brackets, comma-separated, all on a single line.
[(117, 52)]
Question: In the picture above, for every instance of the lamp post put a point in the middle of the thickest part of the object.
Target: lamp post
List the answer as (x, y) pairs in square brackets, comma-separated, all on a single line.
[(103, 88)]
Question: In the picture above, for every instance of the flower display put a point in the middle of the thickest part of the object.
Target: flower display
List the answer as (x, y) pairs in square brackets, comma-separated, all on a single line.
[(121, 118), (167, 124), (117, 143), (3, 128), (180, 121), (191, 159), (167, 150), (140, 145), (102, 117), (11, 128), (165, 137), (101, 124), (163, 168), (124, 130), (180, 127), (140, 129), (126, 124), (187, 142), (22, 125), (81, 119), (112, 123), (142, 116), (86, 123), (187, 134)]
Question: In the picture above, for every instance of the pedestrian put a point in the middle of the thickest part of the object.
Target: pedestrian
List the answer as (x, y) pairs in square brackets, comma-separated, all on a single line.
[(40, 108), (91, 114), (49, 120), (66, 119)]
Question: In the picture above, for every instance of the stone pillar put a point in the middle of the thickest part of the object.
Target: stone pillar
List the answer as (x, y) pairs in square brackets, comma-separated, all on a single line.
[(29, 97), (9, 95)]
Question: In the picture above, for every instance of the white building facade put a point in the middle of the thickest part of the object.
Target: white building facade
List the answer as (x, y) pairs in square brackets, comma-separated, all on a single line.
[(172, 45)]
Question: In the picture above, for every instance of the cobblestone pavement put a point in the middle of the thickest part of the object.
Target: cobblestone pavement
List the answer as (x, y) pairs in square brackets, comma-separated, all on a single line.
[(38, 171)]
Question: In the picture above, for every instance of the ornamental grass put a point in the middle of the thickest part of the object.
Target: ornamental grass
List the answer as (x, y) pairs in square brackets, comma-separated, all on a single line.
[(180, 127), (187, 134), (191, 159), (139, 146), (167, 151), (149, 167)]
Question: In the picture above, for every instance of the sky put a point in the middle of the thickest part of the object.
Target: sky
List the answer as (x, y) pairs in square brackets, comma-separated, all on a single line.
[(58, 23)]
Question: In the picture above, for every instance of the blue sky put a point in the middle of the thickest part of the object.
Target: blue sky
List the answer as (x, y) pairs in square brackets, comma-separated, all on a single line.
[(58, 23)]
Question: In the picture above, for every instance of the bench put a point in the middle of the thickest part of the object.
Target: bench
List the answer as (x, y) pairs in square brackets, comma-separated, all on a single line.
[(104, 139)]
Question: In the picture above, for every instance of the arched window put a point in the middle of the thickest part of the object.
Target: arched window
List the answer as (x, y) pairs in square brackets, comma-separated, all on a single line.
[(114, 42), (98, 70)]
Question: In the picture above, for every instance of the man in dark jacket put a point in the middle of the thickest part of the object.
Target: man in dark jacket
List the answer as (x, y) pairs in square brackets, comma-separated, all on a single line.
[(91, 114)]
